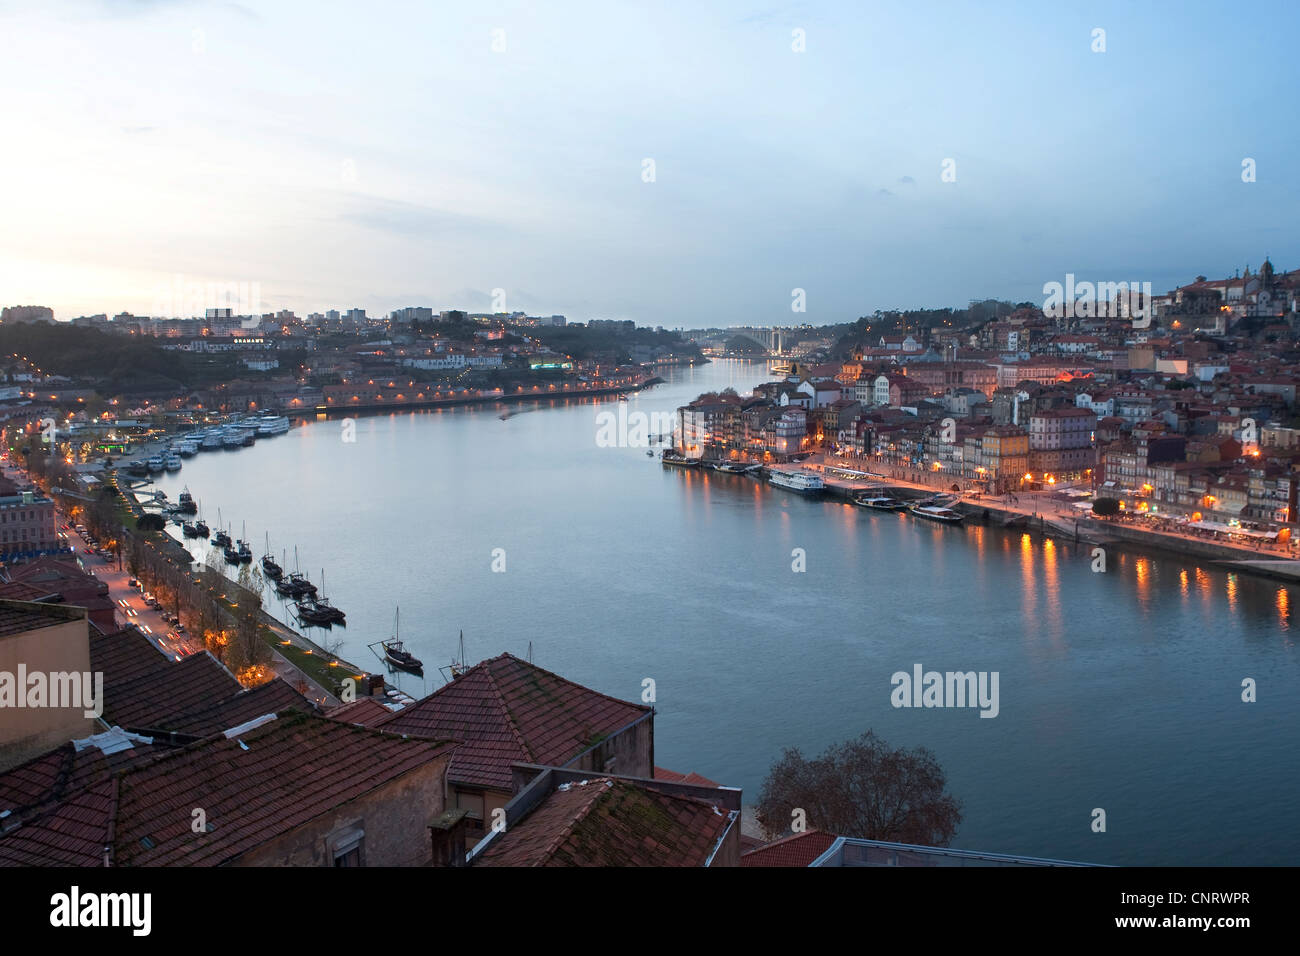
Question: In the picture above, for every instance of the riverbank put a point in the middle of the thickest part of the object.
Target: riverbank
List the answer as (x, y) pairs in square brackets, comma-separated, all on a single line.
[(1047, 515), (537, 394), (306, 665)]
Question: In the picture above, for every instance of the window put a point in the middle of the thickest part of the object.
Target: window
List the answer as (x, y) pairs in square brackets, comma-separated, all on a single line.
[(346, 847), (348, 857)]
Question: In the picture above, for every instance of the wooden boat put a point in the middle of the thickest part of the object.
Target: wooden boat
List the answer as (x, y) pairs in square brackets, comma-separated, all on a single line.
[(879, 503), (399, 656)]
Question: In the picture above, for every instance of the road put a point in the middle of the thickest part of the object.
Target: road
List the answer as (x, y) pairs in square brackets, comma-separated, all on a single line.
[(131, 606)]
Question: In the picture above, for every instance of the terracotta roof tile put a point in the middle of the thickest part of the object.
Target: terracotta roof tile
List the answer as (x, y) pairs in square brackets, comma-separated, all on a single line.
[(364, 710), (508, 711), (604, 822), (798, 849), (672, 776), (142, 688), (252, 788)]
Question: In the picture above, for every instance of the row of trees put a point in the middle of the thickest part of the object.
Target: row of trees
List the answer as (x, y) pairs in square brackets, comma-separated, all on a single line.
[(229, 623)]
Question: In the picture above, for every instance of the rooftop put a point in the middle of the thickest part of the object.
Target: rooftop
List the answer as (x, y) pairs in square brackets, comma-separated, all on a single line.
[(611, 822), (509, 711)]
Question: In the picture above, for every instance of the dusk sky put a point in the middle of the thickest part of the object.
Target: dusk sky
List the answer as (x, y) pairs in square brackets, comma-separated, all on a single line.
[(383, 155)]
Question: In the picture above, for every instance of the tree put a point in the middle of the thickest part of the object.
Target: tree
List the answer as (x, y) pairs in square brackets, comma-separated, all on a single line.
[(862, 788), (150, 522), (1105, 507)]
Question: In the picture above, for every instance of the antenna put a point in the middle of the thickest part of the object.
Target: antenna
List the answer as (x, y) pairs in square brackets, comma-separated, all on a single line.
[(530, 652)]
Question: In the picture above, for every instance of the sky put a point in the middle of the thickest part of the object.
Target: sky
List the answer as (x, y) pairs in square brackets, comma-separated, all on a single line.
[(495, 156)]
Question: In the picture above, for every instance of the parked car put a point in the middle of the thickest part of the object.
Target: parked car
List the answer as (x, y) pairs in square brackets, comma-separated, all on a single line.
[(133, 583)]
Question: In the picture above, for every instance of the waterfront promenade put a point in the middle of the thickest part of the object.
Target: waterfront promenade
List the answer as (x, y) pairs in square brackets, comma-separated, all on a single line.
[(1055, 512)]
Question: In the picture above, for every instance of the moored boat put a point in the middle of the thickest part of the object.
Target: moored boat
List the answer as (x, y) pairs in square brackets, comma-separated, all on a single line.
[(397, 655), (804, 482), (937, 512), (678, 460), (879, 502)]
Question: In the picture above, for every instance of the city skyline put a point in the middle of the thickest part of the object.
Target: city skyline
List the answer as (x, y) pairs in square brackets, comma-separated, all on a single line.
[(413, 157)]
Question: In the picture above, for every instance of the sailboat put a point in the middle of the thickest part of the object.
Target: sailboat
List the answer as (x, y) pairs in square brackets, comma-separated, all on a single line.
[(269, 567), (318, 610), (457, 667), (221, 539), (397, 655)]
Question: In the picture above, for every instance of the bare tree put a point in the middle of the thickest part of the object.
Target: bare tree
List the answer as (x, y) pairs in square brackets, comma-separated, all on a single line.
[(862, 788)]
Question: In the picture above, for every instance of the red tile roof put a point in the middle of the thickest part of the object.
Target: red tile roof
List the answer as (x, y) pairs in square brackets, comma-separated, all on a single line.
[(508, 711), (798, 849), (273, 697), (62, 771), (74, 833), (19, 616), (252, 788), (604, 822), (672, 776), (365, 711), (142, 688)]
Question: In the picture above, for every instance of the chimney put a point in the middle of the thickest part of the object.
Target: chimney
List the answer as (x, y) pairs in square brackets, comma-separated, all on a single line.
[(448, 835)]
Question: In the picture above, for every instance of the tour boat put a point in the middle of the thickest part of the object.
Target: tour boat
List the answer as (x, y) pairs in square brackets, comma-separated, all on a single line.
[(211, 441), (879, 503), (172, 462), (271, 425), (803, 482), (155, 465), (677, 460), (934, 512), (138, 469), (187, 449)]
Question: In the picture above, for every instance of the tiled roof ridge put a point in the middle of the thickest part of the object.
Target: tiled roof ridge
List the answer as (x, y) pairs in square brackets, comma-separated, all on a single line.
[(788, 838), (110, 830), (505, 708), (603, 785), (582, 687)]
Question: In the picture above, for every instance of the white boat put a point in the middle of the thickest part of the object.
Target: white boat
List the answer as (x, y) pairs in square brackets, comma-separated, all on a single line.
[(172, 462), (187, 449), (272, 425), (155, 464), (804, 482), (937, 513)]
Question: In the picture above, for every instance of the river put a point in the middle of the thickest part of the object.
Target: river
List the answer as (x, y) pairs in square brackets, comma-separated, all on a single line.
[(1119, 690)]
